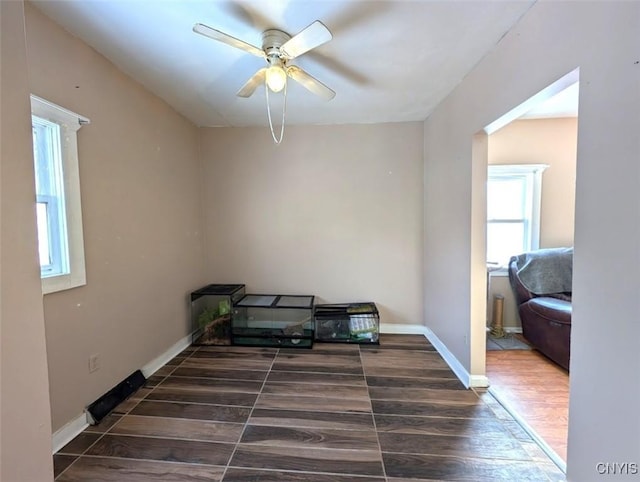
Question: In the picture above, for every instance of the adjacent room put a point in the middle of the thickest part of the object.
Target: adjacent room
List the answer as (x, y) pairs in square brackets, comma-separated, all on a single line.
[(530, 209), (306, 149)]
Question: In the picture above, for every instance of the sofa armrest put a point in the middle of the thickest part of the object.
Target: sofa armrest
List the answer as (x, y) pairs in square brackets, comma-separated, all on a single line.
[(552, 309)]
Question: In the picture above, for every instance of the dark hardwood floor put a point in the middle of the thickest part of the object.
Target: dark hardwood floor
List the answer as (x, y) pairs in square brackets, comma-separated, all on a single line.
[(336, 413)]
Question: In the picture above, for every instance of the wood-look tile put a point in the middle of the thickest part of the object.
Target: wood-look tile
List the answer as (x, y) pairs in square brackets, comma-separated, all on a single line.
[(164, 371), (316, 378), (406, 382), (227, 364), (218, 413), (254, 475), (153, 381), (412, 479), (403, 339), (147, 448), (126, 406), (104, 469), (211, 384), (309, 437), (347, 349), (179, 428), (175, 361), (308, 390), (295, 357), (422, 362), (141, 393), (385, 351), (460, 469), (299, 418), (237, 354), (467, 427), (80, 443), (250, 351), (105, 424), (201, 396), (318, 367), (398, 346), (323, 404), (311, 420), (423, 394), (61, 462), (354, 462), (220, 373), (516, 430), (382, 371), (483, 447), (431, 409)]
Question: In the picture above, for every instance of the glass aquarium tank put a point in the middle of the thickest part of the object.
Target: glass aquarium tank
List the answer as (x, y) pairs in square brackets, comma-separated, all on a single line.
[(211, 313), (273, 320), (347, 323)]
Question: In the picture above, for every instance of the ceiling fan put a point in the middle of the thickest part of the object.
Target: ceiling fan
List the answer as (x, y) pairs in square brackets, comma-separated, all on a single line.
[(278, 49)]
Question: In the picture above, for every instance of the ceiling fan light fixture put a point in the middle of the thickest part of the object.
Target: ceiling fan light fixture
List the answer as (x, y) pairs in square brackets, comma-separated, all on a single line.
[(276, 78), (278, 48)]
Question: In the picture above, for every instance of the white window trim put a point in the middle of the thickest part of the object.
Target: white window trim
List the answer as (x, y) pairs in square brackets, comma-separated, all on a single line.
[(534, 172), (70, 123)]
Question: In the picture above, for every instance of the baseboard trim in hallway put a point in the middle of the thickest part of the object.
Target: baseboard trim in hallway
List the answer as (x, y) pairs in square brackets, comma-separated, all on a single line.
[(468, 380)]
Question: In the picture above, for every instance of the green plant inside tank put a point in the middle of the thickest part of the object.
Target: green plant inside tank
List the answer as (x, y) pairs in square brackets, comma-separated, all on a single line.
[(207, 316)]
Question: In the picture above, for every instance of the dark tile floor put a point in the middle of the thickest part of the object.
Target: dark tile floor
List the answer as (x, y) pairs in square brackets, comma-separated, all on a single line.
[(337, 413)]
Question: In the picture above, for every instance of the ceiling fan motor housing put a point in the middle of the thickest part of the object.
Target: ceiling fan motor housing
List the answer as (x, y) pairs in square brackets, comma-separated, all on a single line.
[(272, 40)]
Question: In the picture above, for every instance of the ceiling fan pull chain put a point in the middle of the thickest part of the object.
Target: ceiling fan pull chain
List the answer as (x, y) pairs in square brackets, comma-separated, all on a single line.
[(284, 110)]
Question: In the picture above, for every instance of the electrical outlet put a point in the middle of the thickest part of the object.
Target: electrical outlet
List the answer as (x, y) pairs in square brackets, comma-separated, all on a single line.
[(94, 363)]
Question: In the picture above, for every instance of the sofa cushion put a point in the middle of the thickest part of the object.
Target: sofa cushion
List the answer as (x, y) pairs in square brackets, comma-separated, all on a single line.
[(551, 309)]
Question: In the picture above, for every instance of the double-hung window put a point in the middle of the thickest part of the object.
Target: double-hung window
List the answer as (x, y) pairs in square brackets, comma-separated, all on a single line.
[(57, 182), (513, 210)]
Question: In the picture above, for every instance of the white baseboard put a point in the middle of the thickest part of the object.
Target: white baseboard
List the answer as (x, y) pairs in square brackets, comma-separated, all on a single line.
[(508, 329), (160, 361), (468, 380), (513, 329), (64, 435), (399, 329)]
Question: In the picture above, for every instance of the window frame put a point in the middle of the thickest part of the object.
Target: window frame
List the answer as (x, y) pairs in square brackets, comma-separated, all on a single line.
[(69, 123), (531, 175)]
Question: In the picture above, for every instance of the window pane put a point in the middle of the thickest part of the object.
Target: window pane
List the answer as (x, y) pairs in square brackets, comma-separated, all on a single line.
[(506, 198), (43, 234), (51, 215), (503, 241)]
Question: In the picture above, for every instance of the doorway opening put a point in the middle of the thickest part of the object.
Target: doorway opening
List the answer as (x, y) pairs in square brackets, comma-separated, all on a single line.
[(531, 155)]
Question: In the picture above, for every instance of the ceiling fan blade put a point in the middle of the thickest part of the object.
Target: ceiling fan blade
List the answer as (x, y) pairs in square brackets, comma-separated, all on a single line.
[(311, 37), (310, 83), (227, 39), (252, 84)]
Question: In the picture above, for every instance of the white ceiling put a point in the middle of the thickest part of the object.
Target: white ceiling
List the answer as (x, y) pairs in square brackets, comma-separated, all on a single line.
[(389, 61)]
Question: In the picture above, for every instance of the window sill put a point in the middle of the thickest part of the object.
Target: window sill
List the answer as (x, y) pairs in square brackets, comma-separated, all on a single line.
[(62, 283), (497, 271)]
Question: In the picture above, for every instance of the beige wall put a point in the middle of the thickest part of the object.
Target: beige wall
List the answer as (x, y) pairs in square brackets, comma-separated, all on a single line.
[(540, 141), (334, 211), (24, 391), (141, 203), (545, 141), (551, 40)]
